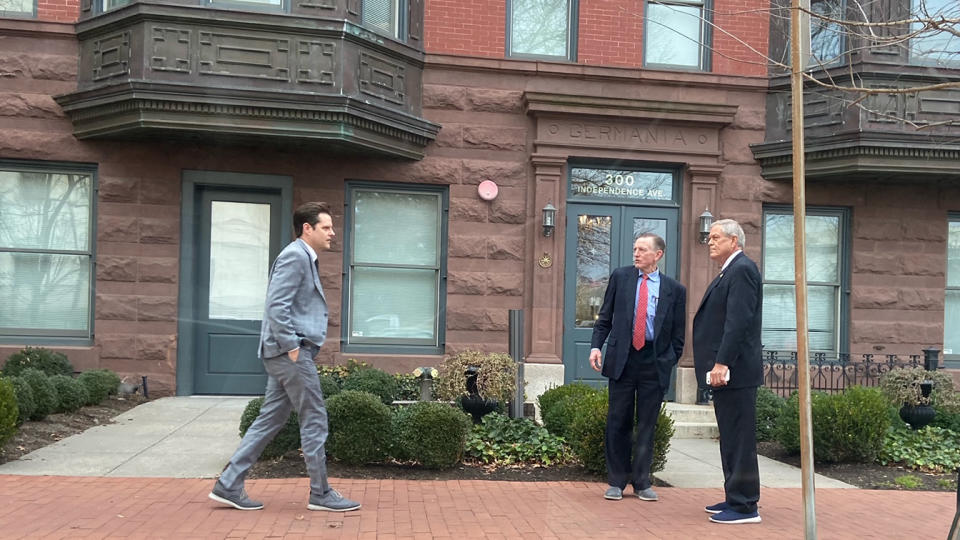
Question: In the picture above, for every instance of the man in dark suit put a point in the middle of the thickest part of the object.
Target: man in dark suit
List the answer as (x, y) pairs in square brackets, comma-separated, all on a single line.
[(644, 314), (726, 346), (294, 327)]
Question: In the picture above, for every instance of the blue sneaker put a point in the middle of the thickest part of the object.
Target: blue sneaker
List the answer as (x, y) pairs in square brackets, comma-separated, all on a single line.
[(716, 508), (731, 517)]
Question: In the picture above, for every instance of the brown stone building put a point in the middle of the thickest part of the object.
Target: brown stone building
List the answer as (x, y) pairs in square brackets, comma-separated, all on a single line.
[(152, 152)]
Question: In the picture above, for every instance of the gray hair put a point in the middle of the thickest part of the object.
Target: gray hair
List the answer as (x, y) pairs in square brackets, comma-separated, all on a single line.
[(730, 227), (657, 240)]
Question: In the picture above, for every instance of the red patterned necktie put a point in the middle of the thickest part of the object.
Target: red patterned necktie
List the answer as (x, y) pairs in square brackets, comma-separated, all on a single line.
[(640, 318)]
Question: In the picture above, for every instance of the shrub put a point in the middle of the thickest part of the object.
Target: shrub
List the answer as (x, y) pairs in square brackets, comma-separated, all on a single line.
[(661, 439), (360, 427), (9, 411), (946, 420), (586, 433), (408, 386), (71, 393), (501, 440), (373, 381), (25, 400), (846, 427), (902, 386), (340, 371), (928, 449), (553, 396), (47, 361), (433, 434), (329, 385), (769, 407), (561, 414), (496, 377), (44, 393), (288, 438), (100, 383)]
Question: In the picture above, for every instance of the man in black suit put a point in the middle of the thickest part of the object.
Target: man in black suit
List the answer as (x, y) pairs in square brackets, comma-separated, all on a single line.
[(641, 352), (726, 346)]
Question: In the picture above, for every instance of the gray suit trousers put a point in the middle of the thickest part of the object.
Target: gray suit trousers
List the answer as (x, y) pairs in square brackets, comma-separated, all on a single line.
[(290, 386)]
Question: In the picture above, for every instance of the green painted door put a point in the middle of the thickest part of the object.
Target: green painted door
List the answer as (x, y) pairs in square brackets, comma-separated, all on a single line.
[(238, 235), (599, 238)]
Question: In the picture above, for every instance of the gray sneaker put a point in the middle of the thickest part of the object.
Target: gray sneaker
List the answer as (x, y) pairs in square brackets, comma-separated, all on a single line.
[(237, 499), (333, 501), (647, 495), (613, 493)]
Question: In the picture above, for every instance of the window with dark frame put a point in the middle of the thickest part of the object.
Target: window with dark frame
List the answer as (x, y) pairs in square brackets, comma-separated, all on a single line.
[(382, 16), (46, 252), (541, 28), (395, 260), (18, 8), (951, 308), (675, 34), (826, 233)]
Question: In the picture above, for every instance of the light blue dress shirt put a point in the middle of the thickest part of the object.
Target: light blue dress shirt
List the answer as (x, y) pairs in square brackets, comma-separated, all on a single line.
[(653, 295)]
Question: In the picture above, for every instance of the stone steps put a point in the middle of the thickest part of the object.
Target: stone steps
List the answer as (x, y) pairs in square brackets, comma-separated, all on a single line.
[(693, 421)]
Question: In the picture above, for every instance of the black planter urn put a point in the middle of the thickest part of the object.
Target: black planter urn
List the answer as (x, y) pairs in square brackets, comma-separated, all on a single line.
[(475, 405), (919, 416)]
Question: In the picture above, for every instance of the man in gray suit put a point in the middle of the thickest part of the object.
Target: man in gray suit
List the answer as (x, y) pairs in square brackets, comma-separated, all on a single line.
[(294, 328)]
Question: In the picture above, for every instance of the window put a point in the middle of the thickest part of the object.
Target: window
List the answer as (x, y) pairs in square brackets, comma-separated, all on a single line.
[(395, 264), (675, 34), (542, 28), (254, 5), (18, 8), (951, 319), (382, 16), (935, 46), (46, 251), (827, 278), (826, 36)]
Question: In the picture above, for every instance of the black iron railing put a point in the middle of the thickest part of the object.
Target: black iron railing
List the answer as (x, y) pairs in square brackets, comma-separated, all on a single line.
[(831, 372)]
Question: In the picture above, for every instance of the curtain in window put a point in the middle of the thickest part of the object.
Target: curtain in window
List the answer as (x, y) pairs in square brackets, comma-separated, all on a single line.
[(951, 320)]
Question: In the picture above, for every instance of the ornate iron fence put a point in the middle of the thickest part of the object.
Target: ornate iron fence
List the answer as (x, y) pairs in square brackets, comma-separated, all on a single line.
[(831, 372)]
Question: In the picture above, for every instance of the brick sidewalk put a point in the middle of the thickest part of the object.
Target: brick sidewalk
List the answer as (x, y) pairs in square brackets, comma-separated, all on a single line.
[(73, 507)]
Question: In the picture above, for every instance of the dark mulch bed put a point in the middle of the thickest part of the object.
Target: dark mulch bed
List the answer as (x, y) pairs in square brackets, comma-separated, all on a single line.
[(37, 434), (865, 475), (291, 465)]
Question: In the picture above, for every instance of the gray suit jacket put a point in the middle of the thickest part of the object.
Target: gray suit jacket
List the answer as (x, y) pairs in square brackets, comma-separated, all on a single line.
[(296, 308)]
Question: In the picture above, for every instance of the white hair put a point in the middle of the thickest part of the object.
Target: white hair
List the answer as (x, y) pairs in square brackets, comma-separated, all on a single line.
[(730, 227)]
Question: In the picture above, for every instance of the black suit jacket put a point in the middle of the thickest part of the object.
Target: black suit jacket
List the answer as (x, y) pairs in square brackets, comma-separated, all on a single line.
[(616, 321), (726, 328)]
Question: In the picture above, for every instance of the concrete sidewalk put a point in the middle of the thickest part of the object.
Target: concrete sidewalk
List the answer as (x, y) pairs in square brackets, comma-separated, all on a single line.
[(194, 437)]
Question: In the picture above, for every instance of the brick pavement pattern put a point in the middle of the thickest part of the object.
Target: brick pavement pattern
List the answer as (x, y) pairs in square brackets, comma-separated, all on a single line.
[(92, 507)]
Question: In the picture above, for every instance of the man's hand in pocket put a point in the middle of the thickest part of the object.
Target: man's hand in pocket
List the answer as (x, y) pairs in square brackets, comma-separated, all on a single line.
[(294, 354)]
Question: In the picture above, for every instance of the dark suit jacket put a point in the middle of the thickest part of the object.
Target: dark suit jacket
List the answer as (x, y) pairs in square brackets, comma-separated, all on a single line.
[(726, 328), (616, 320)]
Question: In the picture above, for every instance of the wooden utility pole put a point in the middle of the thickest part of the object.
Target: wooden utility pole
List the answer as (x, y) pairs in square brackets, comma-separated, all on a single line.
[(800, 55)]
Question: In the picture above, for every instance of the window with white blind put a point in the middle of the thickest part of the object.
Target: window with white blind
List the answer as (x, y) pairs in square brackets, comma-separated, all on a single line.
[(951, 318), (395, 268), (46, 251), (382, 16), (827, 279), (18, 8)]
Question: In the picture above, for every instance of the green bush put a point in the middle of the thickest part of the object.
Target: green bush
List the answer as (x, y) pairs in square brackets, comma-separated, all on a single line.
[(288, 438), (769, 407), (25, 400), (47, 361), (360, 427), (560, 416), (902, 386), (586, 432), (329, 385), (558, 422), (340, 371), (432, 433), (846, 427), (100, 383), (373, 381), (408, 387), (930, 449), (502, 440), (71, 393), (661, 439), (44, 393), (496, 376), (9, 412), (946, 420)]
